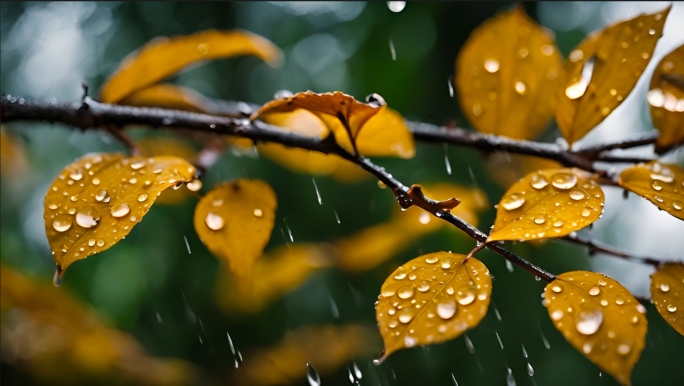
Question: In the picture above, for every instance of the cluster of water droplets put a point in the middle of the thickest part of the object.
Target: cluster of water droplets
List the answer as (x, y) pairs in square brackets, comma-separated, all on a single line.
[(663, 184), (664, 287)]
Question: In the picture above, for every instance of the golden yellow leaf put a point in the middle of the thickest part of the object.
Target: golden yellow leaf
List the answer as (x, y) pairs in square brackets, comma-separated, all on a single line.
[(56, 338), (600, 73), (506, 169), (234, 220), (13, 161), (432, 299), (276, 273), (667, 292), (348, 172), (548, 203), (600, 318), (96, 200), (154, 146), (506, 75), (163, 57), (170, 96), (326, 348), (662, 184), (666, 100), (341, 113)]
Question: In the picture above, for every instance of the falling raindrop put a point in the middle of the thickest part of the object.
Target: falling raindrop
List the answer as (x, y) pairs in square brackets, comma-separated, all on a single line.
[(496, 312), (530, 369), (187, 244), (499, 339), (57, 279), (312, 376), (454, 379), (450, 83), (510, 380), (393, 52), (469, 344), (289, 232), (357, 372), (351, 376), (446, 161), (524, 352), (318, 195), (337, 217), (509, 266), (544, 340), (159, 318)]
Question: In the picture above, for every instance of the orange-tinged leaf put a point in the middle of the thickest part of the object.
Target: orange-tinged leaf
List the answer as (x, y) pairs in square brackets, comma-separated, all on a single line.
[(432, 299), (326, 348), (154, 146), (600, 318), (234, 220), (369, 247), (96, 200), (600, 73), (170, 96), (163, 57), (666, 100), (506, 75), (662, 184), (276, 273), (548, 203), (341, 113), (667, 292)]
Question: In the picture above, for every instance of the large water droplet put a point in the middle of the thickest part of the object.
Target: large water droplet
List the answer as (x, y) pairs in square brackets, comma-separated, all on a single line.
[(213, 221), (400, 273), (664, 287), (87, 217), (137, 165), (576, 194), (465, 296), (102, 196), (586, 212), (446, 263), (530, 370), (76, 175), (491, 65), (595, 290), (539, 220), (520, 88), (538, 181), (388, 292), (424, 286), (672, 308), (194, 185), (558, 223), (142, 197), (121, 210), (431, 260), (557, 288), (564, 181), (62, 223), (405, 315), (446, 309), (589, 321), (513, 201), (100, 242), (57, 279), (557, 315), (405, 292), (677, 205), (396, 6)]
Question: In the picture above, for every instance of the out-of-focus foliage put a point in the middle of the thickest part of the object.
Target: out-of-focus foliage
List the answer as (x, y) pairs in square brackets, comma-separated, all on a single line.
[(667, 291), (602, 71), (506, 76), (600, 318), (662, 184), (666, 100)]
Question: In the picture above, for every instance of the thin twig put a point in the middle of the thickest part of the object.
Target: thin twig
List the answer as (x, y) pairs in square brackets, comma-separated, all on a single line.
[(596, 246)]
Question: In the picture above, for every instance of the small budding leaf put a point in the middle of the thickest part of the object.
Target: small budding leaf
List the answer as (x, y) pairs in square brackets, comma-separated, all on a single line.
[(548, 203), (506, 75), (163, 57), (98, 199), (170, 96), (662, 184), (234, 220), (666, 100), (343, 115), (432, 299), (600, 318), (600, 73), (667, 292)]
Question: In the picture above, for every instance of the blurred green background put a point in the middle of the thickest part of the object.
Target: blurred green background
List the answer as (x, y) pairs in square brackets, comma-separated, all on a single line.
[(151, 286)]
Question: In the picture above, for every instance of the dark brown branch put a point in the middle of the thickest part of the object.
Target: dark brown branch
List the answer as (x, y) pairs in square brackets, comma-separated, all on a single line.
[(640, 140), (597, 247), (91, 115)]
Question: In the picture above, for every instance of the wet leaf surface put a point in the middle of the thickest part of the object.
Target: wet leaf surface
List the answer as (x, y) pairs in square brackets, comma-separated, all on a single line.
[(506, 169), (600, 318), (432, 299), (666, 100), (343, 115), (96, 200), (548, 203), (234, 220), (170, 96), (600, 73), (163, 57), (667, 292), (326, 348), (157, 145), (506, 75), (662, 184)]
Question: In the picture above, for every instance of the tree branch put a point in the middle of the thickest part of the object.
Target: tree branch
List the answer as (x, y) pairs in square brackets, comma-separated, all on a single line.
[(91, 115), (595, 246)]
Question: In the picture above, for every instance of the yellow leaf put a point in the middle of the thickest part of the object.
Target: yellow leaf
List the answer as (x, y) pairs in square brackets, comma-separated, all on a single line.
[(600, 73), (662, 184), (666, 100), (276, 273), (170, 96), (548, 203), (326, 348), (432, 299), (98, 199), (506, 75), (667, 292), (163, 57), (600, 318), (13, 161), (154, 146), (51, 335), (234, 220), (505, 168), (341, 113)]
